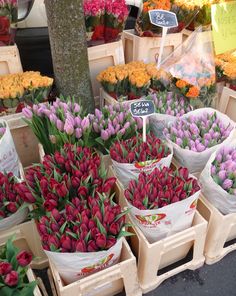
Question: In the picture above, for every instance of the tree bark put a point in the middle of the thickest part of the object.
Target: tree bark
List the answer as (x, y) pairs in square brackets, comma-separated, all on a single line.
[(69, 50)]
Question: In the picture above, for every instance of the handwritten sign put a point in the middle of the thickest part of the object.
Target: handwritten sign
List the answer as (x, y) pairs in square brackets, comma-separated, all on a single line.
[(223, 18), (142, 108), (163, 18)]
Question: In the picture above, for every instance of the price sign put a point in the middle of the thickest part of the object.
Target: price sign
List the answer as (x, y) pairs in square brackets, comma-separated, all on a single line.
[(164, 19), (142, 108)]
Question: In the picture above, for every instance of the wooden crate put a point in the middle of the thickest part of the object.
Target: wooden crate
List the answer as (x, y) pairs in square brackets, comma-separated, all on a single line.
[(31, 278), (204, 37), (27, 238), (9, 60), (109, 281), (102, 56), (25, 141), (221, 230), (147, 48), (227, 102), (165, 258)]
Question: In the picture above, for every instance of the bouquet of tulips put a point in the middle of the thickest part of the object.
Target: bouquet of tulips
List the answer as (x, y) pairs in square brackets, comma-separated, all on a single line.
[(168, 106), (12, 210), (133, 156), (88, 231), (219, 179), (8, 16), (69, 173), (14, 266), (113, 122), (9, 161), (115, 18), (163, 202), (94, 14), (196, 135), (64, 122)]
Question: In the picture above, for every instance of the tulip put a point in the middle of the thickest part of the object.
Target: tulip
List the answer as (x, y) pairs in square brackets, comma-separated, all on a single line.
[(11, 278), (24, 258), (27, 113), (5, 268)]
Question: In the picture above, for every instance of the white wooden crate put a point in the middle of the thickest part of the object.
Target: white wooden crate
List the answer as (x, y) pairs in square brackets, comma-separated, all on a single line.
[(102, 56), (147, 48), (9, 60)]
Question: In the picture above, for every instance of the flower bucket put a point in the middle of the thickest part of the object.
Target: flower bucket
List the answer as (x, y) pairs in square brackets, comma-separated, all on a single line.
[(160, 223), (9, 161), (15, 219), (196, 161), (75, 266), (125, 172), (218, 197)]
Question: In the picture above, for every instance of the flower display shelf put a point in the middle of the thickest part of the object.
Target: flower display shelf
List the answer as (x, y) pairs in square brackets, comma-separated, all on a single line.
[(147, 48), (26, 237), (9, 60), (101, 57), (220, 233), (25, 141), (165, 258), (106, 282), (227, 102)]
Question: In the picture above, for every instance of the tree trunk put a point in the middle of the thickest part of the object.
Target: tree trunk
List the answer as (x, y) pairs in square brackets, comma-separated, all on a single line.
[(69, 50)]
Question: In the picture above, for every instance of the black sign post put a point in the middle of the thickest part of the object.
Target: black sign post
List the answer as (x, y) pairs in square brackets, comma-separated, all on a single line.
[(165, 19), (142, 108)]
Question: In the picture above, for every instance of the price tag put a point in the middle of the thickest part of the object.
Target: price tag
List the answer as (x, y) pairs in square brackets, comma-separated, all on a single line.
[(164, 19), (142, 108)]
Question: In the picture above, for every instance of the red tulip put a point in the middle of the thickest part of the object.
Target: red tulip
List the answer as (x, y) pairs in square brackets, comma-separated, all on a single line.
[(101, 240), (11, 279), (24, 258), (5, 268)]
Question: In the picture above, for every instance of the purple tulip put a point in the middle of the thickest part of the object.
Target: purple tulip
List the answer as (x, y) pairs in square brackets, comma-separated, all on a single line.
[(219, 157), (121, 132), (85, 123), (227, 184), (78, 133), (76, 108), (96, 127), (60, 125), (222, 175), (27, 113), (111, 129), (200, 147), (53, 118), (104, 135), (98, 114), (121, 117), (77, 121), (179, 141), (68, 127), (139, 122)]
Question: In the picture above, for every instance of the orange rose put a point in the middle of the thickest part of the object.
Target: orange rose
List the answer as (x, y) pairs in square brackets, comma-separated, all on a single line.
[(181, 83), (193, 92)]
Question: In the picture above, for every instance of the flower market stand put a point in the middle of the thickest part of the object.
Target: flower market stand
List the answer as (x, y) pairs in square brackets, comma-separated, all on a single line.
[(221, 231), (227, 102), (109, 281), (147, 48), (9, 60)]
